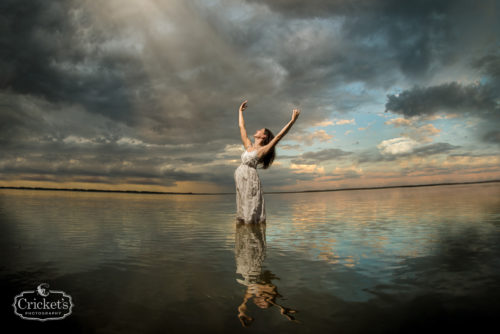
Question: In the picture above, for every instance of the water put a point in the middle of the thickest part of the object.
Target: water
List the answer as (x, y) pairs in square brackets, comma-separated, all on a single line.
[(378, 261)]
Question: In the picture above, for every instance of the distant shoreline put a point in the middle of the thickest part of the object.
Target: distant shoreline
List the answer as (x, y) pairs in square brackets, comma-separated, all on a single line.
[(232, 193)]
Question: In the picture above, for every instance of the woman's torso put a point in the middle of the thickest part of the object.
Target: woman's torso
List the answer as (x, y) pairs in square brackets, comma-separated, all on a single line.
[(250, 159)]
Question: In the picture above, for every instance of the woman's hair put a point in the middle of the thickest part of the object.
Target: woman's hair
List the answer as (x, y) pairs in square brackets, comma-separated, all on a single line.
[(268, 159)]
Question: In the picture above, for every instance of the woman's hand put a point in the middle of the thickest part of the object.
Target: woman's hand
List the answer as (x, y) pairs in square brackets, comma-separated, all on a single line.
[(243, 105), (295, 115)]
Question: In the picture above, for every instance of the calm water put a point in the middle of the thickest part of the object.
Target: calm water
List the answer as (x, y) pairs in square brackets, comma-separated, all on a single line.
[(377, 261)]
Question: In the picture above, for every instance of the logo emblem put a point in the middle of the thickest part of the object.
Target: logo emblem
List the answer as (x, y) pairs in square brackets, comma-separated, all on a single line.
[(43, 304)]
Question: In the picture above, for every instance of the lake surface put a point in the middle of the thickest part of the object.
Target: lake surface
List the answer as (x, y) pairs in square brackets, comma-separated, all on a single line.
[(362, 261)]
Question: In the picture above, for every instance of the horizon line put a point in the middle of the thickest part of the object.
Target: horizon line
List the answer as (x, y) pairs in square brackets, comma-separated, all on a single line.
[(232, 193)]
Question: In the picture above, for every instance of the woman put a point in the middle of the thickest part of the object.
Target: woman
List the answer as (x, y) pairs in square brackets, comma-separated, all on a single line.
[(249, 195)]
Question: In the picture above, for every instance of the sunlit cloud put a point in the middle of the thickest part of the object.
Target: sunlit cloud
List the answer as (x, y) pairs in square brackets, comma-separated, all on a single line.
[(310, 138), (296, 168), (399, 122), (397, 145), (422, 134), (324, 123), (345, 121)]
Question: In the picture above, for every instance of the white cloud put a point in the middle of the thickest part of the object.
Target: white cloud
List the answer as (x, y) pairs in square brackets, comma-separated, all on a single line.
[(397, 145), (130, 141)]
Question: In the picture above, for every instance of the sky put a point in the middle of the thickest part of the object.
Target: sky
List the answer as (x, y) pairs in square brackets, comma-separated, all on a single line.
[(144, 94)]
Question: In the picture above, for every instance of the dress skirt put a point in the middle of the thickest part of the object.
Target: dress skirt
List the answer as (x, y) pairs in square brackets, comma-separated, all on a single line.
[(249, 195)]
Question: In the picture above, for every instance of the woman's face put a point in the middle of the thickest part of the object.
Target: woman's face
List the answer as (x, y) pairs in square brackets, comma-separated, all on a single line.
[(260, 133)]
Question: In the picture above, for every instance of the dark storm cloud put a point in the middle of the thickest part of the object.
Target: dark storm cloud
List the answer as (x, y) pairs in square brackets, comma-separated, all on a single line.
[(71, 88), (26, 120), (481, 99), (436, 148), (111, 171), (412, 36), (492, 136), (489, 64), (328, 8), (43, 53), (159, 82), (178, 88)]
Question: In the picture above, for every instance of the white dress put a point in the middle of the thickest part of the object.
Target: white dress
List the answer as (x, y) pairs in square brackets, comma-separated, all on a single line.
[(249, 195)]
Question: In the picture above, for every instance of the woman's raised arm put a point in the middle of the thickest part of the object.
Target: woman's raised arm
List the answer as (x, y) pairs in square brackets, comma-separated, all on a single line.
[(282, 133), (244, 137)]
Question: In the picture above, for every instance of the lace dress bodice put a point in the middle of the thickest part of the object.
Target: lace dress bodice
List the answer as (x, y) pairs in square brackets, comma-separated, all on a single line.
[(250, 159)]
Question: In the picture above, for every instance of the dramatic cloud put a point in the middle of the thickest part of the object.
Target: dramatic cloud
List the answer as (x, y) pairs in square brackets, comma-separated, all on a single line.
[(492, 136), (146, 92), (436, 148), (482, 100)]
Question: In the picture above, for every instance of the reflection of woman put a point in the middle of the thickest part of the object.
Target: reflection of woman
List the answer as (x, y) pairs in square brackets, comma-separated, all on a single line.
[(250, 249)]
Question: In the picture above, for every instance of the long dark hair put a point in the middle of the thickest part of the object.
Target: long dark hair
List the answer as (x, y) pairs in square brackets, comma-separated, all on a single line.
[(268, 159)]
